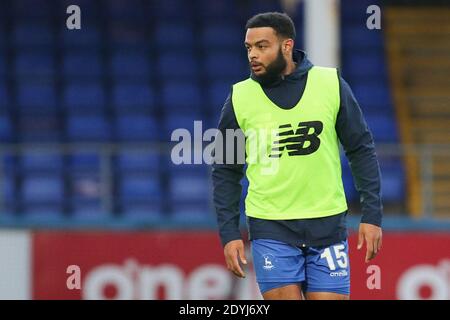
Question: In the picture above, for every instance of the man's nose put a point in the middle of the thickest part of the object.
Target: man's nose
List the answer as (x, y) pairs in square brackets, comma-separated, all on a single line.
[(252, 55)]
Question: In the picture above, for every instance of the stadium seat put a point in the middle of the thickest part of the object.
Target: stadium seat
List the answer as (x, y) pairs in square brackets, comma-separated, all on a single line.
[(82, 64), (3, 64), (373, 97), (174, 10), (137, 129), (235, 68), (132, 10), (177, 65), (35, 65), (174, 35), (39, 128), (33, 35), (393, 181), (367, 64), (217, 94), (383, 127), (88, 37), (41, 161), (42, 189), (181, 97), (231, 36), (4, 99), (140, 188), (131, 65), (84, 98), (6, 129), (362, 38), (135, 161), (36, 98), (88, 128), (36, 9), (133, 98), (129, 34), (84, 162)]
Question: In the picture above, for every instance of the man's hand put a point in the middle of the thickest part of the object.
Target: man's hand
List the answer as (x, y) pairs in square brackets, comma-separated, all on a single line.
[(232, 251), (372, 234)]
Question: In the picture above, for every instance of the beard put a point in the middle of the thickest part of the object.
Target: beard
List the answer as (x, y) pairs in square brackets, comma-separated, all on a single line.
[(273, 70)]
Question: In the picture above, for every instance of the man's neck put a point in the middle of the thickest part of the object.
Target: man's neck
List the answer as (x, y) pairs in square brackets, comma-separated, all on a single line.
[(290, 67)]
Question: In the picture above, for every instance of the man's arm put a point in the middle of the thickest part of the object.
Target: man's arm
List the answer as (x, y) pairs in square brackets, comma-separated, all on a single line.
[(226, 179), (227, 192), (359, 147)]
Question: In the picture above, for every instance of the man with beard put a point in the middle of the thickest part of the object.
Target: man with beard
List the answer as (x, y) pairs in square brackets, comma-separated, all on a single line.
[(296, 215)]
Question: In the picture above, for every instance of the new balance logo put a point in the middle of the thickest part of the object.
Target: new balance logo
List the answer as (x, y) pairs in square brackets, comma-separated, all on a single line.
[(294, 142)]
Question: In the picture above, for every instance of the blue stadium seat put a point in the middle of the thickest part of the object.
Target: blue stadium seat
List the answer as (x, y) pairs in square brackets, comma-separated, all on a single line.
[(140, 188), (133, 98), (130, 65), (41, 161), (181, 97), (217, 10), (151, 212), (233, 66), (138, 161), (137, 128), (354, 36), (88, 212), (393, 181), (3, 40), (133, 10), (141, 197), (178, 65), (231, 36), (128, 34), (176, 121), (84, 98), (368, 64), (2, 64), (39, 128), (174, 35), (8, 194), (88, 128), (32, 35), (85, 162), (189, 187), (34, 65), (383, 127), (4, 98), (6, 129), (82, 64), (87, 37), (86, 187), (38, 189), (373, 97), (36, 98), (217, 94), (192, 213), (175, 10), (25, 9)]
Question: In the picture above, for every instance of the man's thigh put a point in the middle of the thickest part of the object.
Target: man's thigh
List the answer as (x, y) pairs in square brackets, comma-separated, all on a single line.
[(279, 268), (327, 272)]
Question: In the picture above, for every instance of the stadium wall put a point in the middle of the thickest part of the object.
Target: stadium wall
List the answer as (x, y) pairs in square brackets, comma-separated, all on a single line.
[(189, 265)]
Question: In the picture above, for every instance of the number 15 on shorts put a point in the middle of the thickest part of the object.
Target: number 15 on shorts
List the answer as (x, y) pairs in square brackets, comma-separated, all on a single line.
[(335, 254)]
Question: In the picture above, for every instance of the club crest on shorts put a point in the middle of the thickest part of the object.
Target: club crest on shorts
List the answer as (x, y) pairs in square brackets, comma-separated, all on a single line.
[(268, 262)]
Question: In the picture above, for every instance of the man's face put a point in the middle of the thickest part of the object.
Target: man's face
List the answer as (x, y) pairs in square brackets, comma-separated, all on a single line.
[(264, 53)]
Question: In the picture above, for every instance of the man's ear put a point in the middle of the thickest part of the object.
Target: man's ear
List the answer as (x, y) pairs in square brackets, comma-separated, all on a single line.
[(288, 46)]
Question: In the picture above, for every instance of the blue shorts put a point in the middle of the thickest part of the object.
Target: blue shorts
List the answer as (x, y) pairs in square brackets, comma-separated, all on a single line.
[(316, 269)]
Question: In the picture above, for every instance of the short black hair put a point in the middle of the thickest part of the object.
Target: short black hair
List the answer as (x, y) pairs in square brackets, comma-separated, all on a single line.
[(280, 22)]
